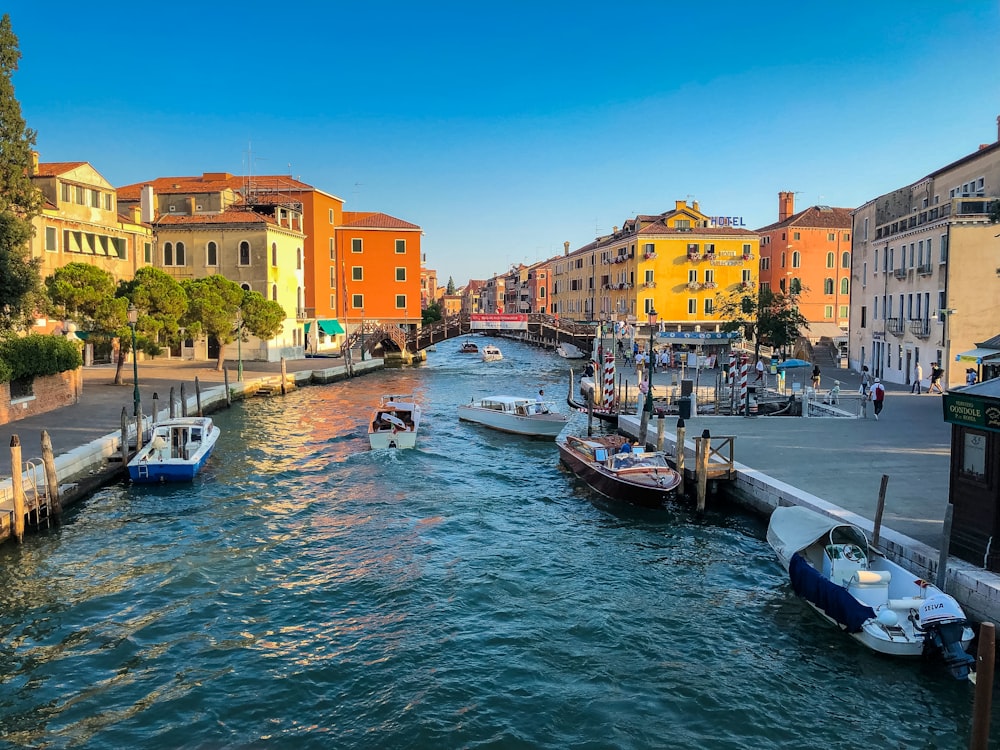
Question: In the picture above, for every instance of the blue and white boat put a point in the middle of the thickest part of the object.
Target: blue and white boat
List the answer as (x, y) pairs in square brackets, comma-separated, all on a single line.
[(176, 452)]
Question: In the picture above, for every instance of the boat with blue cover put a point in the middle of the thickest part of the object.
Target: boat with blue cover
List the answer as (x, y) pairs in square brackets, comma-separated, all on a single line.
[(176, 452)]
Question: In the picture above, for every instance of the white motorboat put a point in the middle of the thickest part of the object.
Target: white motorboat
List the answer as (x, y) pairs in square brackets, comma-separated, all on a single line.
[(851, 584), (394, 423), (570, 351), (514, 414), (492, 353), (176, 451)]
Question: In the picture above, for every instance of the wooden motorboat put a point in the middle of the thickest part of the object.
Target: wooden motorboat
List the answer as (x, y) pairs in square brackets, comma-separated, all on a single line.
[(515, 414), (638, 477), (394, 423), (492, 353), (468, 347), (851, 584), (176, 451)]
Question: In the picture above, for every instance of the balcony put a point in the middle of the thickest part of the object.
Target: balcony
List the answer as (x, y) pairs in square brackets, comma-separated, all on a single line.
[(747, 256), (899, 273), (649, 256), (920, 328), (709, 285), (649, 285), (302, 314), (694, 286), (694, 257), (925, 269), (746, 285), (894, 326)]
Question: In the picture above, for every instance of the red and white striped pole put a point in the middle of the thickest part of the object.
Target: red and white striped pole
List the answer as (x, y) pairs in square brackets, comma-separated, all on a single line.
[(609, 381), (744, 372)]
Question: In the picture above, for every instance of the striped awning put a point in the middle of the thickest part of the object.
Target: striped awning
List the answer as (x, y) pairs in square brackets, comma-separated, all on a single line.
[(329, 327), (978, 355)]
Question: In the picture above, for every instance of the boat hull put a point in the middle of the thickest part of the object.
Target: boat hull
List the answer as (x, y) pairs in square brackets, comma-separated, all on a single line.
[(646, 490), (173, 461), (394, 423), (382, 440), (534, 425)]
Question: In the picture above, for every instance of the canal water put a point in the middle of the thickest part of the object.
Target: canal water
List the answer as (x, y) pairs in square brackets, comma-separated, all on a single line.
[(306, 592)]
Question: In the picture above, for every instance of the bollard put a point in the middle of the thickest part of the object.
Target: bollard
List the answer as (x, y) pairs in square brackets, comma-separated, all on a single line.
[(983, 700), (184, 402), (197, 395), (225, 379), (701, 471), (284, 376), (679, 453), (173, 408), (17, 486), (51, 478)]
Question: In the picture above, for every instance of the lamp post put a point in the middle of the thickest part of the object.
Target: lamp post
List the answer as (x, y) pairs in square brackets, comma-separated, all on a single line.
[(239, 346), (133, 318), (362, 334), (649, 361)]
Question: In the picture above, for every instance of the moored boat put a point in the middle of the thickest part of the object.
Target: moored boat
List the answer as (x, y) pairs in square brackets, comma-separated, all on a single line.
[(176, 451), (853, 585), (515, 414), (638, 477), (492, 353), (570, 351), (394, 422)]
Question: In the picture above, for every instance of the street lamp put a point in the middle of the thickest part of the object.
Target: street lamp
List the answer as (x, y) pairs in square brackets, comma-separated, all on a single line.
[(133, 318), (649, 361), (362, 334), (239, 346)]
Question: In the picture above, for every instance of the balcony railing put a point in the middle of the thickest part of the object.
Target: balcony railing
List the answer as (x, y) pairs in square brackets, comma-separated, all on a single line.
[(894, 326), (899, 273), (920, 328), (925, 269)]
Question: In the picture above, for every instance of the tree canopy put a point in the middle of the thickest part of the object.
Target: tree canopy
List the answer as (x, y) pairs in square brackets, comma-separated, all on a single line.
[(431, 313), (767, 318), (20, 201), (450, 289)]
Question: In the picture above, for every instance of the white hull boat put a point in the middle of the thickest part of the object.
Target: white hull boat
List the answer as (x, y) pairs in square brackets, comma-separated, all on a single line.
[(514, 414), (394, 423), (570, 351), (851, 584), (492, 353), (176, 452)]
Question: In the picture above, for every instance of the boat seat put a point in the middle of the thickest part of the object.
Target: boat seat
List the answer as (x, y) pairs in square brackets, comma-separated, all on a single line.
[(870, 587)]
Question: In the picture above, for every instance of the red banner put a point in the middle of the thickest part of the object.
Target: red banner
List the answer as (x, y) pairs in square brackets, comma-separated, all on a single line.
[(499, 322)]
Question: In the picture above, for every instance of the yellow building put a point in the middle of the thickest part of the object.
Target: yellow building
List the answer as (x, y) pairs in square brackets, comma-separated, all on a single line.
[(678, 263)]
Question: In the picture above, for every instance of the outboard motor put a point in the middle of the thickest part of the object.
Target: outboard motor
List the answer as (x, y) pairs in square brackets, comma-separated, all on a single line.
[(943, 620)]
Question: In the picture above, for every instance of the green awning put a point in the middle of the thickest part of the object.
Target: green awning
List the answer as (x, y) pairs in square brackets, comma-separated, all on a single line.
[(329, 327)]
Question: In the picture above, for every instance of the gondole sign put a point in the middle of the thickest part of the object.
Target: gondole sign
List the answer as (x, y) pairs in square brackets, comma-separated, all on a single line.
[(499, 321), (971, 412)]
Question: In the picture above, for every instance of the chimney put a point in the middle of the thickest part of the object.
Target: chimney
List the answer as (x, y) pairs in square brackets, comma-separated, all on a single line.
[(146, 204), (136, 213), (678, 205), (192, 205), (786, 205), (694, 205), (566, 248), (33, 168)]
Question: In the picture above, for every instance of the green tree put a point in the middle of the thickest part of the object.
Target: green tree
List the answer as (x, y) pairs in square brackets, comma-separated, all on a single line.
[(431, 313), (450, 289), (20, 201), (261, 317), (213, 302), (162, 304), (76, 292), (767, 318)]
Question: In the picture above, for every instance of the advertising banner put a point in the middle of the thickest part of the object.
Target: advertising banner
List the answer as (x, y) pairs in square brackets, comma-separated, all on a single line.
[(499, 321)]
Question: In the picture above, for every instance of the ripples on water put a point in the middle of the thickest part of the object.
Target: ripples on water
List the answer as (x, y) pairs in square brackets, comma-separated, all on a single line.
[(307, 592)]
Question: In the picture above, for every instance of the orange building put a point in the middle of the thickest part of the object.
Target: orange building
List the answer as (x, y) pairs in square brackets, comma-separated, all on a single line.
[(380, 270), (809, 253)]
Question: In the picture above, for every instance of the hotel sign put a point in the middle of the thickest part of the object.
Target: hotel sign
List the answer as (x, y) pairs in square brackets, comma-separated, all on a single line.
[(499, 322), (970, 411), (726, 221)]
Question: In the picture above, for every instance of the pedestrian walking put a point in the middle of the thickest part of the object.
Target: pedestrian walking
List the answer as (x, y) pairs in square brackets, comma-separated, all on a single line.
[(936, 374), (866, 381), (759, 367), (815, 377), (918, 375), (878, 396)]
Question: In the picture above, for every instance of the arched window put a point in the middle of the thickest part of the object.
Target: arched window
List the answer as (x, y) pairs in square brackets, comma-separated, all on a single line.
[(844, 286), (274, 292), (244, 253), (845, 259), (827, 286), (179, 254), (274, 253), (168, 253), (796, 259), (212, 254), (796, 286), (830, 260), (298, 259)]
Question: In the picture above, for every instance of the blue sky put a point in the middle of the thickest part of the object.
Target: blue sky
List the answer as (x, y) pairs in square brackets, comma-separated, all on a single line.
[(504, 130)]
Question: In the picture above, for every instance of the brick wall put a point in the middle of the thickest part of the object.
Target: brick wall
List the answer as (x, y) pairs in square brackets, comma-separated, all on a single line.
[(50, 392)]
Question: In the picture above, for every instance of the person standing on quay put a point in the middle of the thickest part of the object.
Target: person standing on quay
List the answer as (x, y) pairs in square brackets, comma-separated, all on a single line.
[(936, 373), (918, 375), (815, 378), (878, 396), (866, 381)]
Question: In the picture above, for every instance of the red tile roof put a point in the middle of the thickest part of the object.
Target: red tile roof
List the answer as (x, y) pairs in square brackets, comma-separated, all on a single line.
[(374, 220), (212, 182), (815, 217), (54, 168), (226, 217)]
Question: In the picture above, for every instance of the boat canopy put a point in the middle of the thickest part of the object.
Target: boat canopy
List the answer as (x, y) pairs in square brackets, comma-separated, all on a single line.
[(794, 527)]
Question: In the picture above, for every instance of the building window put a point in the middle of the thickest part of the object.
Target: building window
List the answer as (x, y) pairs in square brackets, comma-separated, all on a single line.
[(51, 239), (333, 250), (400, 274), (649, 276), (79, 197), (108, 204), (828, 287), (944, 248), (298, 258), (357, 273), (274, 292), (400, 247), (356, 246), (212, 254), (843, 311), (845, 259), (692, 306), (179, 254), (709, 276), (844, 286), (168, 253), (331, 216), (796, 259), (333, 301), (692, 277), (795, 287), (147, 252), (274, 254), (796, 235), (64, 193), (746, 276), (828, 311), (830, 260), (95, 198), (244, 253), (709, 309), (831, 237), (400, 301)]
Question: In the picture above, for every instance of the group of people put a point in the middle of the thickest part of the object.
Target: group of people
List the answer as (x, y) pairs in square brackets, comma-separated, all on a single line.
[(918, 376)]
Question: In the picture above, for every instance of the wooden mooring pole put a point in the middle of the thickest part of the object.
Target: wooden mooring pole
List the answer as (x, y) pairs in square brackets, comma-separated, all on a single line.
[(284, 377), (879, 509), (679, 453), (184, 402), (701, 468), (660, 430), (983, 702), (17, 485), (197, 395), (173, 406), (225, 379), (51, 479)]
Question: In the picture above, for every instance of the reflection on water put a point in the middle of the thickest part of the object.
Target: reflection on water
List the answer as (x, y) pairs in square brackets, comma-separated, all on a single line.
[(308, 592)]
